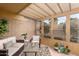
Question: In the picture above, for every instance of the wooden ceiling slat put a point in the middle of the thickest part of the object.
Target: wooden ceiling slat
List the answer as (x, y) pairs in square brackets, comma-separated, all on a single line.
[(70, 6), (42, 10), (55, 7), (50, 8), (60, 7), (27, 17), (33, 13), (74, 5), (65, 7), (23, 8), (29, 14), (37, 11)]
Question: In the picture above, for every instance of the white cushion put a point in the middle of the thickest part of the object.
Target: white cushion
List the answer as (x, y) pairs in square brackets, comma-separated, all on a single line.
[(13, 39), (8, 44), (36, 38)]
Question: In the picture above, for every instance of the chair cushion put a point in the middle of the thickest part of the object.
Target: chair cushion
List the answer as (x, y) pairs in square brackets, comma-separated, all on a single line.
[(36, 38), (8, 44), (5, 40)]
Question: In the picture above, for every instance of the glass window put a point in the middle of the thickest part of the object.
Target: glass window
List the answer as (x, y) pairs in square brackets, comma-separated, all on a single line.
[(47, 24), (60, 26), (74, 27), (61, 20)]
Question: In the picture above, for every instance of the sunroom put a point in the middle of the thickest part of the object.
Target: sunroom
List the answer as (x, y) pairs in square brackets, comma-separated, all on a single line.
[(51, 28)]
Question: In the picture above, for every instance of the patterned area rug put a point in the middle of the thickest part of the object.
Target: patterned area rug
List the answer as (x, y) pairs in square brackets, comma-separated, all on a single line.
[(43, 51)]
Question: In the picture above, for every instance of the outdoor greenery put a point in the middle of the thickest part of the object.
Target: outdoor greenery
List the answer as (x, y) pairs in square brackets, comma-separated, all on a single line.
[(3, 27)]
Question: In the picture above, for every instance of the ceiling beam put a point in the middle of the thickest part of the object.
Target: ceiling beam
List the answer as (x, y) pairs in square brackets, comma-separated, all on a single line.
[(50, 8), (27, 17), (70, 6), (31, 15), (42, 10), (73, 11), (60, 7), (37, 19), (37, 11), (27, 4)]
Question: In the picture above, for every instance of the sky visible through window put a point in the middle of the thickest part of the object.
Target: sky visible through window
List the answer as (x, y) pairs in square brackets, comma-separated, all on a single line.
[(61, 20), (75, 16), (47, 21)]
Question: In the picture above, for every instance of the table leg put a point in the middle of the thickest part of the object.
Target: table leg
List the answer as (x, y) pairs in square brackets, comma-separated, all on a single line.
[(35, 53), (25, 53)]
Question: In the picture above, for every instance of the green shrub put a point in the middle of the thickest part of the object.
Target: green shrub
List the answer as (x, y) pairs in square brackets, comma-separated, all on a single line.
[(3, 26)]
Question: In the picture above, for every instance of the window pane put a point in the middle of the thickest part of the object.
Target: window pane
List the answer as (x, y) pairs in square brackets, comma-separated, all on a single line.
[(47, 24), (74, 27), (60, 26)]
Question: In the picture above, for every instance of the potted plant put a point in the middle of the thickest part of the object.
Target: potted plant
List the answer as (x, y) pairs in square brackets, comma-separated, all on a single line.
[(67, 50), (3, 27), (24, 35), (56, 45)]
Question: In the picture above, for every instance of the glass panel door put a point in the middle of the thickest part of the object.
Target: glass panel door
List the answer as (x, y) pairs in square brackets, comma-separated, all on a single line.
[(60, 28), (47, 25), (74, 27)]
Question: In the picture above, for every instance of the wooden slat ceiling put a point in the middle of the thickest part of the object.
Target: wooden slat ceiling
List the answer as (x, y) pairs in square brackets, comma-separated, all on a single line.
[(13, 7), (38, 11), (46, 10)]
